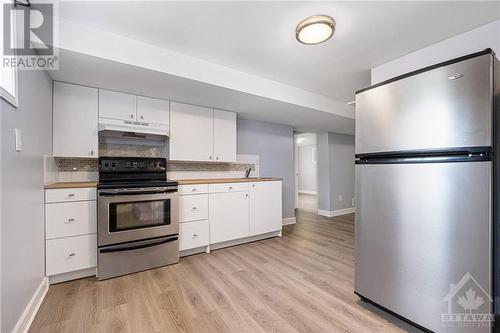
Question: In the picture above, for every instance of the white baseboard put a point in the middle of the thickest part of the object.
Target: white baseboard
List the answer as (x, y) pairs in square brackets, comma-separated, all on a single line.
[(289, 220), (29, 313), (338, 212), (307, 192)]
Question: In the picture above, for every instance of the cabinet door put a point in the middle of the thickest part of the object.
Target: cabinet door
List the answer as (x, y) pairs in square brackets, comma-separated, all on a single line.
[(224, 136), (75, 132), (153, 110), (265, 207), (191, 132), (228, 215), (117, 105)]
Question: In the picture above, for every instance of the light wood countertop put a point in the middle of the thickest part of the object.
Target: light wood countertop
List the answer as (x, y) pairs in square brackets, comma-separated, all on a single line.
[(70, 185), (60, 185), (225, 180)]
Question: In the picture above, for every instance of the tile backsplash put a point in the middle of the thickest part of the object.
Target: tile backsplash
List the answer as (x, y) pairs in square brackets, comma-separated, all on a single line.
[(79, 169), (131, 150), (76, 164)]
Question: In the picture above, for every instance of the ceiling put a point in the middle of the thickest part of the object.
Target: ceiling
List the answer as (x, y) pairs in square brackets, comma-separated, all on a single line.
[(94, 71), (258, 37)]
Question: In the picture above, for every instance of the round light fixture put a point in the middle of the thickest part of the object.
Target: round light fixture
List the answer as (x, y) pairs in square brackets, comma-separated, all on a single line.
[(315, 29)]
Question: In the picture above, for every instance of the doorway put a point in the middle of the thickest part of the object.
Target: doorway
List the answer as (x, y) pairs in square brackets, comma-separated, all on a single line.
[(306, 171)]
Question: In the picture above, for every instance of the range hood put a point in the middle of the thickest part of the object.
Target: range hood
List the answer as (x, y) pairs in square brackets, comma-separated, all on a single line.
[(117, 125)]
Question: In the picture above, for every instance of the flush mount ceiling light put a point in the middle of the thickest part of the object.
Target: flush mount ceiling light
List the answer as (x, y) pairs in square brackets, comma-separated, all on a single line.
[(315, 29)]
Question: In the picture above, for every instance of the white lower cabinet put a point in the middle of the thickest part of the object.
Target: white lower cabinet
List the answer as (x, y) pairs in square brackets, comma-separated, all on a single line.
[(69, 254), (193, 207), (265, 207), (70, 233), (70, 219), (228, 215), (193, 234)]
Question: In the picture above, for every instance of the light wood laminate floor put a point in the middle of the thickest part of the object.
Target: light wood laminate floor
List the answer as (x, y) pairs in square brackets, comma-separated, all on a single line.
[(302, 282)]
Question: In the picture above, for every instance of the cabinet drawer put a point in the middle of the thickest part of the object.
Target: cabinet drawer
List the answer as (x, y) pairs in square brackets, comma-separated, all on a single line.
[(70, 219), (193, 207), (228, 187), (70, 254), (70, 194), (193, 189), (193, 235)]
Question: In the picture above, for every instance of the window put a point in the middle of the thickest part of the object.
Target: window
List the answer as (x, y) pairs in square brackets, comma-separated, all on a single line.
[(8, 75)]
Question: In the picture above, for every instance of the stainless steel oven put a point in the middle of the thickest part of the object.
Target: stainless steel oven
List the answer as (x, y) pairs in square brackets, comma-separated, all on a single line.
[(138, 216), (127, 215)]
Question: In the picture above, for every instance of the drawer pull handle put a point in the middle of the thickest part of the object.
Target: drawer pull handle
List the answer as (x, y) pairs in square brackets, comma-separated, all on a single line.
[(230, 187), (71, 195), (193, 189), (194, 208), (70, 220), (71, 255), (195, 235)]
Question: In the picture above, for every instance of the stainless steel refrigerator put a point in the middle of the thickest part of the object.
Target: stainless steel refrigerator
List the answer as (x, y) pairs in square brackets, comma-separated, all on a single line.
[(426, 174)]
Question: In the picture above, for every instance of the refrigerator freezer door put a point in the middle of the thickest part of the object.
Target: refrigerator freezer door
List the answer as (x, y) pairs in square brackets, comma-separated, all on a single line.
[(447, 107), (419, 229)]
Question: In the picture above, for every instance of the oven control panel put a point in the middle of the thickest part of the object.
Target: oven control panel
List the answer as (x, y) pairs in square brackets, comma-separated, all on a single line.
[(132, 164)]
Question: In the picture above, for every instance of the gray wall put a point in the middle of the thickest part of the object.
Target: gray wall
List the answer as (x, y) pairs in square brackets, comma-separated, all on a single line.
[(274, 145), (335, 171), (307, 169), (22, 211)]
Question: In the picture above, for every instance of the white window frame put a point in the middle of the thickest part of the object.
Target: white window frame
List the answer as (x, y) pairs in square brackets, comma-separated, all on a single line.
[(10, 96)]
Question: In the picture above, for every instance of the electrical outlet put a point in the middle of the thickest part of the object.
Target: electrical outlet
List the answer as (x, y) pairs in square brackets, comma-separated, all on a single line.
[(340, 198)]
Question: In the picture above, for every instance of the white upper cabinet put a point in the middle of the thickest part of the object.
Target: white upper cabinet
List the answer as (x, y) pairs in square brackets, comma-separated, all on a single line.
[(117, 105), (191, 133), (75, 111), (202, 134), (224, 136), (265, 207), (153, 110)]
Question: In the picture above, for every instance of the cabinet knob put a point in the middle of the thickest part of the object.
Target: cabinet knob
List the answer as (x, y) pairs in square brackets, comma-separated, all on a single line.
[(91, 152), (253, 185), (193, 189), (246, 195), (217, 158), (132, 115), (194, 208), (230, 188), (142, 117), (195, 235), (210, 158), (72, 254)]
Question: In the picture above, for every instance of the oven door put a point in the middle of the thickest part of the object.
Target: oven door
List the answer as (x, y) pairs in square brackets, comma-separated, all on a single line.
[(136, 216)]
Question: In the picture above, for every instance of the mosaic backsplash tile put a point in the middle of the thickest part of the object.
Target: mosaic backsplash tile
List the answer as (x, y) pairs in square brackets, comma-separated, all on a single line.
[(76, 164), (113, 149), (139, 150)]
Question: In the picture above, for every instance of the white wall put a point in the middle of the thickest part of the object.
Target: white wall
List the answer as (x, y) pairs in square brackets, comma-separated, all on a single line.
[(486, 36), (335, 171), (22, 209), (307, 169)]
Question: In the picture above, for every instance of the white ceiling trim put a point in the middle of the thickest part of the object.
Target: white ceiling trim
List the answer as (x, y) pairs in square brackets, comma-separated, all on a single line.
[(90, 41)]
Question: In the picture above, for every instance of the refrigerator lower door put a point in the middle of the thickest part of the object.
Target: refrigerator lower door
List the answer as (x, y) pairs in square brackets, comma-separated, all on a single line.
[(423, 241)]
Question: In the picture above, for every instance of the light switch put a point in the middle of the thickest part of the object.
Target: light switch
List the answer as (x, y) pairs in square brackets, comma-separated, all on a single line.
[(19, 139)]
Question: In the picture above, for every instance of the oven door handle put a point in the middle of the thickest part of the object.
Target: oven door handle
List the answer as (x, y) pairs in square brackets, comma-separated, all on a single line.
[(119, 248)]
